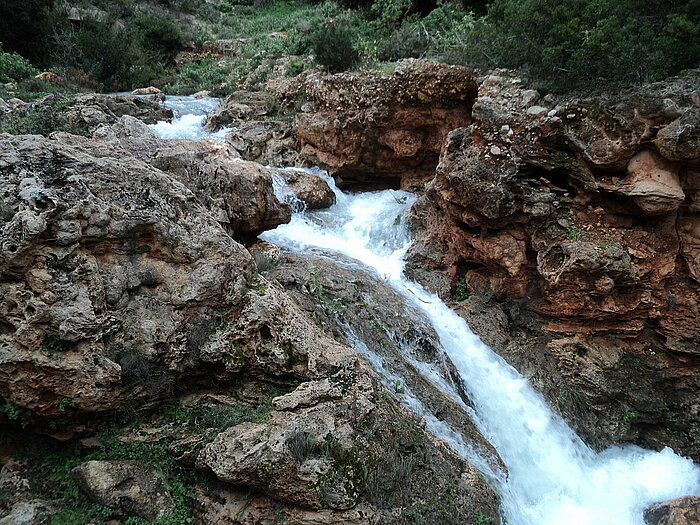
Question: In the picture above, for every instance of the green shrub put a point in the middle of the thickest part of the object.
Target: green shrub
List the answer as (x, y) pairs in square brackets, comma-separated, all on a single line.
[(332, 46), (572, 44), (409, 40), (14, 67), (206, 75), (161, 37)]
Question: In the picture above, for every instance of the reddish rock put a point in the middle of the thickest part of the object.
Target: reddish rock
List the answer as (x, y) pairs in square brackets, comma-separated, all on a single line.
[(681, 511), (381, 129)]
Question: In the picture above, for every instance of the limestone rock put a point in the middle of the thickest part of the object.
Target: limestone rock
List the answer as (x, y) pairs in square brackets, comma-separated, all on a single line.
[(680, 140), (548, 223), (125, 487), (379, 127), (653, 183), (269, 142), (34, 512), (682, 511), (90, 244), (312, 190)]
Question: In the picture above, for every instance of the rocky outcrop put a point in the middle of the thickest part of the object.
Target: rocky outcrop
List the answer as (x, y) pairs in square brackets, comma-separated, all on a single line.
[(581, 212), (238, 193), (90, 243), (682, 511), (121, 289), (377, 129), (125, 487)]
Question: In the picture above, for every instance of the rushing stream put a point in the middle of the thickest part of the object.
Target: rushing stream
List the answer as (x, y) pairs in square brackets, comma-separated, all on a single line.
[(553, 477)]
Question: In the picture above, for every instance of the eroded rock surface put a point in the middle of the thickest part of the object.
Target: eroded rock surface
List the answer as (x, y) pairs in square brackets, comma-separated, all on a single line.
[(580, 220), (125, 487), (682, 511), (373, 129)]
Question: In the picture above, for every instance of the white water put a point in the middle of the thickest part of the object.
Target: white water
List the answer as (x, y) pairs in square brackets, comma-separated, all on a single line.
[(553, 477), (189, 114)]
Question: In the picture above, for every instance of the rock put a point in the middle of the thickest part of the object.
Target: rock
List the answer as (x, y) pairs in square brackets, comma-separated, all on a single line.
[(537, 111), (378, 127), (682, 511), (239, 194), (312, 190), (680, 140), (529, 97), (90, 244), (241, 105), (554, 229), (150, 90), (144, 109), (653, 183), (201, 94), (126, 127), (125, 487), (269, 142), (51, 78), (34, 512)]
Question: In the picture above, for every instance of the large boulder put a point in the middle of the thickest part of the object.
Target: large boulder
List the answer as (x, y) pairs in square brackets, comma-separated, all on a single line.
[(682, 511), (374, 128), (125, 487), (89, 244)]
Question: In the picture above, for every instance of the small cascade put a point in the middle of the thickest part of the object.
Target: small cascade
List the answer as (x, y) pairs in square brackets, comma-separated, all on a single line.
[(553, 477), (190, 115)]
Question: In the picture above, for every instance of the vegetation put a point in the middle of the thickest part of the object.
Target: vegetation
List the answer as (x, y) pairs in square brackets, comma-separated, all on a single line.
[(562, 44)]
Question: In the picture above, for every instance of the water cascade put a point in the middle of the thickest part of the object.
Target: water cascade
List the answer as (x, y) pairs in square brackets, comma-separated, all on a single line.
[(553, 477)]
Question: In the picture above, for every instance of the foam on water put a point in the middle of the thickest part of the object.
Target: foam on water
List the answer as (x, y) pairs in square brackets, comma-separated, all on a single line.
[(189, 116), (553, 477)]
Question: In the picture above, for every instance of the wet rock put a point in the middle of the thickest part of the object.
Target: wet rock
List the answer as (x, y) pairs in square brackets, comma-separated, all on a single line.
[(125, 487), (310, 189), (682, 511)]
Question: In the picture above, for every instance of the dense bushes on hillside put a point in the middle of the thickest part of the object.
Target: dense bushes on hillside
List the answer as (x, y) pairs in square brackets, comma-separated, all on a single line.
[(562, 44), (588, 43)]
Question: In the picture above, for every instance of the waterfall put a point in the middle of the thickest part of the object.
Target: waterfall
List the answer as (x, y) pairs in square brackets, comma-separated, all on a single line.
[(553, 477)]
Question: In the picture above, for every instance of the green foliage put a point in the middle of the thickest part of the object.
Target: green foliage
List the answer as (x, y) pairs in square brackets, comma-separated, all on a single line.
[(461, 290), (161, 37), (295, 68), (628, 415), (53, 343), (205, 75), (572, 44), (332, 45), (14, 67), (16, 413), (482, 519), (214, 419)]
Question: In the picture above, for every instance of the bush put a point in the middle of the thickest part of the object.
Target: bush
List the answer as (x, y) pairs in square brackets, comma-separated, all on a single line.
[(205, 75), (408, 41), (573, 44), (162, 38), (13, 67), (332, 46)]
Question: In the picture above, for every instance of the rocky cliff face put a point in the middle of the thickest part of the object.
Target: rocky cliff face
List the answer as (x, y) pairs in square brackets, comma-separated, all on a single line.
[(371, 129), (581, 219)]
